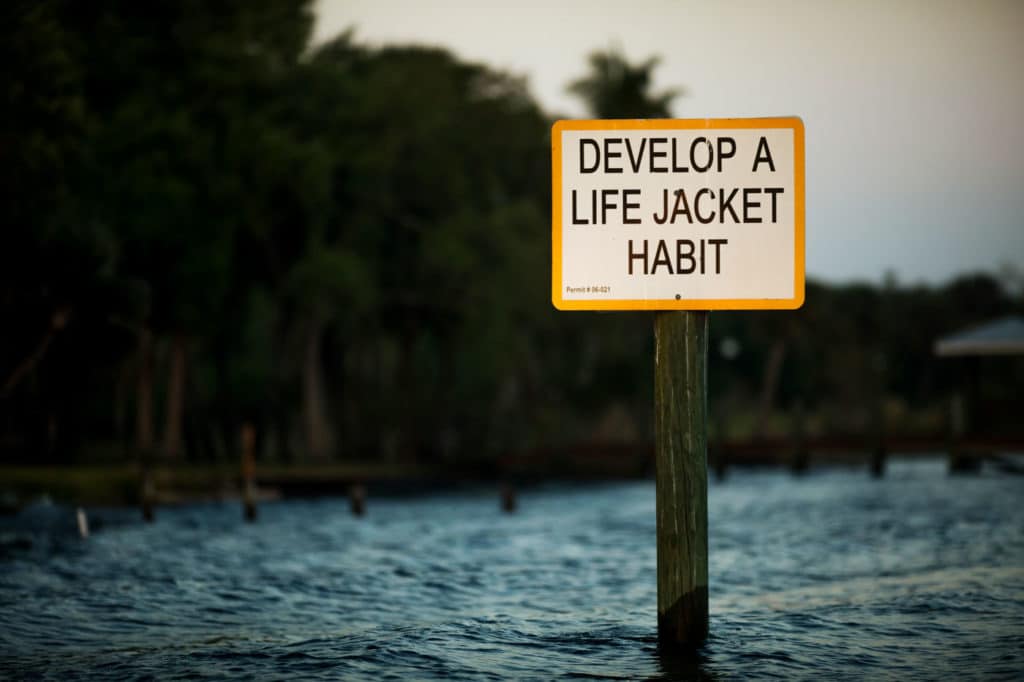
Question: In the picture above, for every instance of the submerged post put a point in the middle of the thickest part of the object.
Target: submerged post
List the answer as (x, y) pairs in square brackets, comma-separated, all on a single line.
[(680, 420), (83, 523), (878, 450), (147, 492), (508, 497), (800, 458), (248, 442), (960, 459), (357, 499)]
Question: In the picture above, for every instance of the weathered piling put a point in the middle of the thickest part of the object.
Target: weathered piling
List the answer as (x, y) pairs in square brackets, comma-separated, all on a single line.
[(960, 459), (877, 439), (680, 419), (83, 523), (878, 456), (248, 442), (147, 493), (800, 458), (357, 498), (508, 498)]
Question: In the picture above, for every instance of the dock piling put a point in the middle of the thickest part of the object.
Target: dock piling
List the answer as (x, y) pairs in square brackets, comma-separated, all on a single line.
[(800, 457), (508, 498), (961, 460), (877, 444), (357, 499), (147, 494), (83, 523), (680, 421), (248, 443)]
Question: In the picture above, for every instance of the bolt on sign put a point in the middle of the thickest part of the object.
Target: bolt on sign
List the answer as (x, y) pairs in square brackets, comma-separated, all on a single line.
[(688, 214)]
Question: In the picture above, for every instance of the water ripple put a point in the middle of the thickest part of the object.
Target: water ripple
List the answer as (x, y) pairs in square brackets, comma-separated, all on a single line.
[(828, 575)]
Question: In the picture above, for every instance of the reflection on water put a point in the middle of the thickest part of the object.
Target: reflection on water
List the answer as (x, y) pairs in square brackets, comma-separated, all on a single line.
[(830, 574)]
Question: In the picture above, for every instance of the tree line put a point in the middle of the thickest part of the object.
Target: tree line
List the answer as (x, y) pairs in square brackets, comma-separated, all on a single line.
[(207, 221)]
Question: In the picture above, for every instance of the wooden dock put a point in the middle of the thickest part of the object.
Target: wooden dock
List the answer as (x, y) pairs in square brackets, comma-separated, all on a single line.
[(120, 484)]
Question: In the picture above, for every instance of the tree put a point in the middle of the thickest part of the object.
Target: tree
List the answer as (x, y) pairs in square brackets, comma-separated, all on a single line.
[(59, 278), (180, 93), (440, 189), (614, 88)]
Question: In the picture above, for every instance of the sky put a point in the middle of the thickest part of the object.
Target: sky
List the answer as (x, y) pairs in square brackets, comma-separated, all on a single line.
[(913, 110)]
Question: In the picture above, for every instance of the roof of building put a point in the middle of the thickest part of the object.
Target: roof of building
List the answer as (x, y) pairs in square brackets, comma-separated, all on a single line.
[(1004, 336)]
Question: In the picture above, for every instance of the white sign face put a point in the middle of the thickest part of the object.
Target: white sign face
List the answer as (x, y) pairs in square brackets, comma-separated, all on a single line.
[(696, 214)]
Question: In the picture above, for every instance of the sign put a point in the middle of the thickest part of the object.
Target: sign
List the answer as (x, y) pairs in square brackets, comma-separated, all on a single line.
[(695, 214)]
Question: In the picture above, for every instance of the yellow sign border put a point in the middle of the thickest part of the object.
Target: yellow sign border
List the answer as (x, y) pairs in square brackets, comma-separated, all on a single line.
[(792, 122)]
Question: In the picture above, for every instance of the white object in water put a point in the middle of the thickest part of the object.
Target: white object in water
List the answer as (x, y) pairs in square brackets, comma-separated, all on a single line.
[(83, 523)]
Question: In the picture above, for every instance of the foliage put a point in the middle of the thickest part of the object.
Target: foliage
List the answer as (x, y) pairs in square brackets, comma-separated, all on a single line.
[(347, 246), (614, 88)]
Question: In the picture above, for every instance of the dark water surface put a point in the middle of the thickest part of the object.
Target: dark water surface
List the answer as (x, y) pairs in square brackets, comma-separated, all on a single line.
[(830, 575)]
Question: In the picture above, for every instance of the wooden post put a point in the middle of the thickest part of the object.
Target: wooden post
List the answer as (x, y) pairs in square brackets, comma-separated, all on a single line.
[(83, 523), (508, 497), (878, 451), (357, 499), (680, 422), (960, 459), (878, 461), (876, 444), (147, 492), (800, 457), (248, 442)]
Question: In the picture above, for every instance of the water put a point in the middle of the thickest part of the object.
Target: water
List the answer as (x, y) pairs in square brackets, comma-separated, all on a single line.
[(831, 575)]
